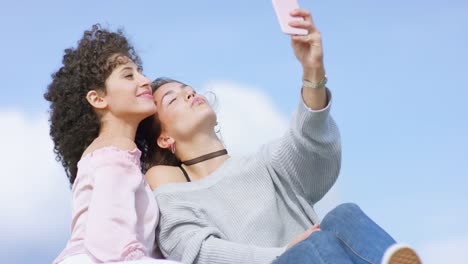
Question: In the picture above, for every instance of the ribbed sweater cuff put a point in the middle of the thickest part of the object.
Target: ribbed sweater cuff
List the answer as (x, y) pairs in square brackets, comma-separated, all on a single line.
[(325, 110), (258, 255)]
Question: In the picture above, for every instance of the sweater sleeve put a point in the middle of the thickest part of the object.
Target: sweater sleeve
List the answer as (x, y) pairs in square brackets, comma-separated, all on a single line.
[(308, 156), (184, 235), (111, 224)]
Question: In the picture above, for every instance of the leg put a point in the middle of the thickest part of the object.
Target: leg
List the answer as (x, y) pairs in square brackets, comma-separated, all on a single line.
[(319, 248), (362, 238)]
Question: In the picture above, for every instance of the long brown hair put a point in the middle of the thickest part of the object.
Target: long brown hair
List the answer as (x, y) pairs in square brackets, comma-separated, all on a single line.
[(147, 134)]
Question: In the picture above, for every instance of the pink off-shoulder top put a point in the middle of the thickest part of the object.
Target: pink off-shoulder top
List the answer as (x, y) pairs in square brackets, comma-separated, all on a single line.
[(114, 214)]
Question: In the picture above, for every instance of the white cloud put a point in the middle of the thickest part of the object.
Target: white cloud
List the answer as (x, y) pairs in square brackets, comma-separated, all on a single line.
[(34, 187), (247, 116)]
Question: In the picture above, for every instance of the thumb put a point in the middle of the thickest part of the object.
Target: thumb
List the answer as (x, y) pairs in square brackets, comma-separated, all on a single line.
[(311, 230)]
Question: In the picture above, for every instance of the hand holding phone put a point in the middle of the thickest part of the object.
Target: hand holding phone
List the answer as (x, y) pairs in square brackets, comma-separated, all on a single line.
[(282, 9)]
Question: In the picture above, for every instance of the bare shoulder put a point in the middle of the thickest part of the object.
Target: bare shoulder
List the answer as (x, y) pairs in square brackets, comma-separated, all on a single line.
[(118, 142), (161, 175)]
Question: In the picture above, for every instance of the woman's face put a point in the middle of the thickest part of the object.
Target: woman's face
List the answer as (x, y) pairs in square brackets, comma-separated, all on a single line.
[(181, 111), (128, 92)]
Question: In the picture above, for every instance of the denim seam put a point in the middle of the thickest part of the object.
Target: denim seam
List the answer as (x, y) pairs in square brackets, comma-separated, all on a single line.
[(318, 252), (346, 244)]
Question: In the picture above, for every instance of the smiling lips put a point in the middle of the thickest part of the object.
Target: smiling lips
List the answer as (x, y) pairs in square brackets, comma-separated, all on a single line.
[(146, 94)]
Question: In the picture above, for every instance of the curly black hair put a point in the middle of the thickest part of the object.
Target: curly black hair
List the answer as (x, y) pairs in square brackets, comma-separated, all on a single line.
[(73, 122)]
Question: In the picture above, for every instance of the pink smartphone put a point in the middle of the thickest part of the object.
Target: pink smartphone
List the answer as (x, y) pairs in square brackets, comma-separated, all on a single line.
[(282, 9)]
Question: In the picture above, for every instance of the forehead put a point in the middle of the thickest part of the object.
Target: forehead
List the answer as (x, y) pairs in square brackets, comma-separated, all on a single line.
[(168, 87), (124, 64)]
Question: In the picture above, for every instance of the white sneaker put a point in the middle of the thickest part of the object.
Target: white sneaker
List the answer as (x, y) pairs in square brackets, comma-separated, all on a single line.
[(400, 254)]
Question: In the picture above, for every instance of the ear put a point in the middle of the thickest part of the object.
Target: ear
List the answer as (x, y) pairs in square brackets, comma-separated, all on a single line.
[(165, 141), (96, 100)]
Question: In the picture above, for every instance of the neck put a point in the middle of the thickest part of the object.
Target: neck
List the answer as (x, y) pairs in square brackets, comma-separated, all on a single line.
[(118, 128), (200, 145)]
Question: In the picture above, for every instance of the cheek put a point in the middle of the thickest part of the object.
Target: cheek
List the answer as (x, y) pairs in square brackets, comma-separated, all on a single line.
[(173, 119), (123, 100), (121, 93)]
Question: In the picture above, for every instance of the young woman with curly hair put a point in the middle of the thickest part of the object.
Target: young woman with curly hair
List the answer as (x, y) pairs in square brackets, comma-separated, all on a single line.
[(97, 99), (257, 209)]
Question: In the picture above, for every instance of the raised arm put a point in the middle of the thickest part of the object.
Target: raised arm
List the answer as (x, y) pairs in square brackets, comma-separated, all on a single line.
[(308, 50), (309, 155)]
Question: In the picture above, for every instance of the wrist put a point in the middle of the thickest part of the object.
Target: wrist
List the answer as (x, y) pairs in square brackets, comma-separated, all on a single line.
[(314, 74), (314, 85)]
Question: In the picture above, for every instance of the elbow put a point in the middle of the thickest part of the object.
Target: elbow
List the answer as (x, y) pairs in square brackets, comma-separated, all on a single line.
[(107, 250), (134, 251)]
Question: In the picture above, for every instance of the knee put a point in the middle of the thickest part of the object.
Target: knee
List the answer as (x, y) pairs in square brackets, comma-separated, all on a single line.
[(320, 238), (347, 209), (341, 214)]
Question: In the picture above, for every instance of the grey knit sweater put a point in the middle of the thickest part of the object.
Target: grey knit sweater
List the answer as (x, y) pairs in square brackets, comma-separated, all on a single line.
[(250, 208)]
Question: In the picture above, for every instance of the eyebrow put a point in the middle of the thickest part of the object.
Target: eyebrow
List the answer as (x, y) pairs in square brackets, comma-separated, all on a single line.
[(182, 86), (126, 68)]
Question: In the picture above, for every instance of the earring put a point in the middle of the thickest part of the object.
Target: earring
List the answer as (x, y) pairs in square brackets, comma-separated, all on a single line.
[(173, 148), (217, 128)]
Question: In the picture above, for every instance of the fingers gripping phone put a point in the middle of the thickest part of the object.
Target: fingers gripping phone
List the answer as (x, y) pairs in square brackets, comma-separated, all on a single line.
[(282, 9)]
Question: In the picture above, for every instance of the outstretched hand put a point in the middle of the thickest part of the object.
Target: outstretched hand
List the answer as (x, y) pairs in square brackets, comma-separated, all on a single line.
[(307, 48), (309, 52)]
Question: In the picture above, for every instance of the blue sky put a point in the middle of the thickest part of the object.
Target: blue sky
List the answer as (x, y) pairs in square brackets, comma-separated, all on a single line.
[(397, 70)]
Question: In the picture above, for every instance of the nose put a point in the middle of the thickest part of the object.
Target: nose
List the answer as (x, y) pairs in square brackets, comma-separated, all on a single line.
[(144, 81), (189, 94)]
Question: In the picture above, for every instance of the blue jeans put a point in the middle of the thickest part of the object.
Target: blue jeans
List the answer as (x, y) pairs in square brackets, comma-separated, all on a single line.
[(347, 236)]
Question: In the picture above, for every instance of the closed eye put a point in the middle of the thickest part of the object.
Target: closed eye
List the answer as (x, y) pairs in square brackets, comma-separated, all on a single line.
[(172, 100)]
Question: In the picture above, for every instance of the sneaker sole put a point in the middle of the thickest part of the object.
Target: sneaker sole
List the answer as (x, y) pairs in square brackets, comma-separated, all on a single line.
[(404, 255)]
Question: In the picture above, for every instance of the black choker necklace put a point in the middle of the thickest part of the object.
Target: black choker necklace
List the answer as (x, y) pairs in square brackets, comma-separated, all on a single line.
[(205, 157)]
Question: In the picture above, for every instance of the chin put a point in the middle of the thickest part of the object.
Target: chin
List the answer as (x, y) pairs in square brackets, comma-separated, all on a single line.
[(208, 113), (150, 107), (146, 111), (202, 118)]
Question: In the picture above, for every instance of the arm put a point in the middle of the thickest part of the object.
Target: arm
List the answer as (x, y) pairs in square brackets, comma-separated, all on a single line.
[(308, 50), (184, 235), (111, 224), (309, 155)]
